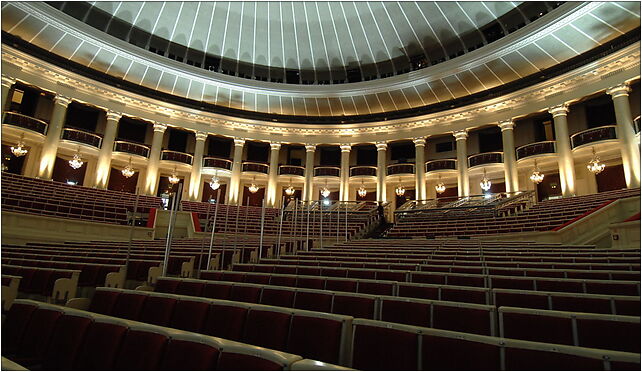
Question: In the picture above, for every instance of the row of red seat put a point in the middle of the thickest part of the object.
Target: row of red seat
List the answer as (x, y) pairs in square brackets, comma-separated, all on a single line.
[(56, 285)]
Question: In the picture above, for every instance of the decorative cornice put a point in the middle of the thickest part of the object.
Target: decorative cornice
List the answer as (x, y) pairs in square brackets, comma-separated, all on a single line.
[(345, 147), (559, 110), (460, 134), (201, 136), (419, 142), (275, 145), (619, 90), (310, 147), (506, 125)]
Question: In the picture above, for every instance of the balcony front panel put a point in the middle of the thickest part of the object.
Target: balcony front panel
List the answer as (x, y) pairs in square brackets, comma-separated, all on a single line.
[(363, 170), (537, 148), (25, 122), (441, 164), (81, 136), (486, 158), (249, 166), (177, 156), (292, 170), (209, 162), (593, 135), (132, 148), (327, 171), (400, 169)]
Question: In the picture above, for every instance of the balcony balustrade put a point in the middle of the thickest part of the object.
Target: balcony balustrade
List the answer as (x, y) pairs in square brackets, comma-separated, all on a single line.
[(132, 148), (592, 135), (82, 136), (363, 170), (249, 166), (210, 162), (486, 158), (292, 170), (327, 171), (25, 122), (403, 168), (537, 148), (441, 164), (177, 156)]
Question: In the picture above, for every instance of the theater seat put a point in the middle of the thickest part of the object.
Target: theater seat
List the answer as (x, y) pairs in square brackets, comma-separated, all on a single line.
[(376, 347), (454, 351), (225, 321), (129, 305), (67, 337), (307, 331), (267, 329), (189, 288), (189, 315), (141, 349), (36, 336), (158, 309), (103, 301), (189, 352), (100, 345)]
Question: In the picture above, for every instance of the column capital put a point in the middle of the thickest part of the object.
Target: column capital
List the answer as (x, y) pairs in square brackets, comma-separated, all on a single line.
[(460, 134), (62, 100), (310, 148), (345, 147), (7, 81), (113, 115), (419, 142), (506, 125), (381, 146), (619, 90), (559, 110), (200, 136), (275, 145), (160, 127), (239, 142)]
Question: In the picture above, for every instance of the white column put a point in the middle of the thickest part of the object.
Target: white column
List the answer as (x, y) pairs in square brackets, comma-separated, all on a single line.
[(381, 171), (235, 180), (273, 175), (151, 179), (510, 164), (195, 184), (103, 165), (626, 134), (463, 188), (7, 82), (309, 172), (564, 153), (420, 169), (54, 129), (344, 186)]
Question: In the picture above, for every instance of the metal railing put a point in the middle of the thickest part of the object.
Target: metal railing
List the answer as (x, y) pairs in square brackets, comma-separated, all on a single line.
[(403, 168), (292, 170), (327, 171), (486, 158), (132, 148), (25, 122), (363, 170), (81, 136), (536, 148), (441, 164), (584, 137), (177, 156), (249, 166), (211, 162)]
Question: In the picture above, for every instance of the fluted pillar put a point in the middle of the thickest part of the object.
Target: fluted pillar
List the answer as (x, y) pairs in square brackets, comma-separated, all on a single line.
[(564, 153), (626, 134), (309, 172), (510, 163), (420, 169), (151, 179), (344, 187), (463, 188), (273, 175), (381, 171), (235, 179), (195, 183), (103, 165), (50, 146), (7, 82)]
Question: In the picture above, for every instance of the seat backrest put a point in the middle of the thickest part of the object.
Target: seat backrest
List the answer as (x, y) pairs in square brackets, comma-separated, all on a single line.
[(141, 350), (219, 291), (246, 293), (191, 353), (100, 345), (278, 296), (225, 320), (129, 305), (38, 332), (15, 324), (189, 315), (314, 301), (375, 347), (103, 301), (267, 328), (619, 333), (306, 331), (66, 339), (354, 305), (166, 285), (190, 288), (157, 310), (535, 325), (444, 352)]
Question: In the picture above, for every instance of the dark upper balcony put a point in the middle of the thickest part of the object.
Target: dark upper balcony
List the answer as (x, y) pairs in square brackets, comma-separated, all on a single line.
[(441, 164), (363, 170), (249, 166), (292, 170), (403, 168), (132, 148), (82, 136), (177, 156), (486, 158), (593, 135), (327, 171), (536, 148), (25, 122), (211, 162)]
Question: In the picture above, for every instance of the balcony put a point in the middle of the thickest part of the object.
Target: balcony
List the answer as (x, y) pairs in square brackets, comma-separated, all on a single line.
[(537, 148), (177, 156), (292, 170), (404, 168), (81, 136), (486, 158), (131, 148), (441, 164), (592, 135), (327, 171), (209, 162), (249, 166), (25, 122), (363, 170)]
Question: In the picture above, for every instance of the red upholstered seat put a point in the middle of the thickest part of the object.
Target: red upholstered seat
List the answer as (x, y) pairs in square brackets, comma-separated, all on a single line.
[(37, 335), (14, 326), (391, 275), (141, 350), (129, 305), (100, 346), (452, 354), (462, 319), (625, 289), (211, 275), (157, 310), (244, 293), (361, 274), (190, 288), (309, 271), (559, 286), (182, 354), (334, 272), (627, 307), (283, 281), (246, 362), (233, 277), (189, 315), (328, 330), (609, 334), (311, 283), (39, 281), (220, 291), (313, 301), (258, 278), (527, 300), (278, 297), (377, 288), (532, 360), (463, 295), (406, 312), (166, 285), (355, 306), (378, 348), (225, 321), (531, 327), (581, 304), (66, 339), (341, 285), (285, 270), (267, 329), (414, 291)]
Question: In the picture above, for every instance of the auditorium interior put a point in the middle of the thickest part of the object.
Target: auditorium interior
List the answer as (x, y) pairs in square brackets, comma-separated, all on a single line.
[(320, 185)]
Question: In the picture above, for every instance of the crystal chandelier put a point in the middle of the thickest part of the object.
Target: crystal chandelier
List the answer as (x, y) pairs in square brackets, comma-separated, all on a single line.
[(253, 187), (289, 191), (325, 192), (536, 176), (128, 171), (76, 162), (19, 150), (595, 166), (440, 187), (215, 183), (400, 190), (173, 179), (485, 182), (362, 192)]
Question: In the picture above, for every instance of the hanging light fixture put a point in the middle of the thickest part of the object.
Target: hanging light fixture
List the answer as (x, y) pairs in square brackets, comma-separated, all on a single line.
[(485, 182), (253, 187), (289, 191), (362, 192), (19, 150), (325, 192), (536, 176), (173, 179), (128, 171), (440, 187), (400, 190), (76, 162), (215, 183), (595, 166)]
